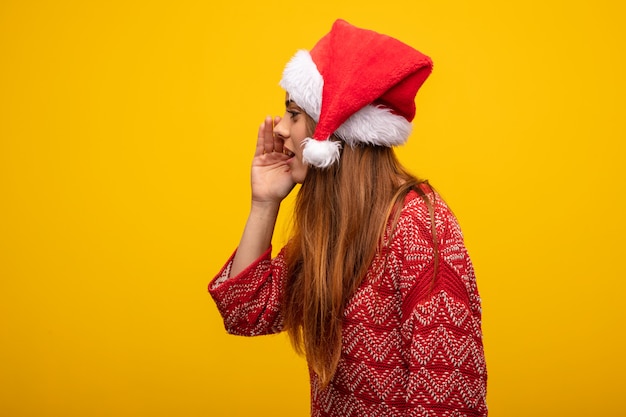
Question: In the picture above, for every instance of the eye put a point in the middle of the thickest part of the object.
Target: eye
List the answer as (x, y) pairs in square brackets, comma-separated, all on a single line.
[(293, 114)]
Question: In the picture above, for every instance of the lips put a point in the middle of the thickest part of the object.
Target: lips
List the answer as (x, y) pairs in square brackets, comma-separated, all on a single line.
[(288, 152)]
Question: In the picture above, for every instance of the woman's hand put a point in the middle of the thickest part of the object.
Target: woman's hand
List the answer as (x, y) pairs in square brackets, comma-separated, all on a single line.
[(271, 182), (270, 176)]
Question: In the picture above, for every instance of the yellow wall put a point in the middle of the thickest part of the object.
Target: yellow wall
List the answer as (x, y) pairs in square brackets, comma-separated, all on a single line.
[(126, 130)]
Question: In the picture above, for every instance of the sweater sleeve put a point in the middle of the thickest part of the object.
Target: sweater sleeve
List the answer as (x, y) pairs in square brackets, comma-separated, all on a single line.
[(441, 319), (250, 303)]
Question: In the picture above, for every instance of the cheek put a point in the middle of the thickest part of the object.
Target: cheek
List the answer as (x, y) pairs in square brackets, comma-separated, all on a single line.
[(300, 133), (300, 145)]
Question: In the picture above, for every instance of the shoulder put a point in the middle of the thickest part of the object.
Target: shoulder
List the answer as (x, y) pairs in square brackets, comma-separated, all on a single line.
[(429, 244), (424, 212)]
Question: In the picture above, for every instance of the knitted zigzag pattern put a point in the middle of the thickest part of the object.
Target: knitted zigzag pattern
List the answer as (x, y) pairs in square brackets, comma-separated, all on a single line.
[(411, 346)]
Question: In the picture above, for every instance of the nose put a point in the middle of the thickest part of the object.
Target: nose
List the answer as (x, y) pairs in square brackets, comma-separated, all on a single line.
[(281, 130)]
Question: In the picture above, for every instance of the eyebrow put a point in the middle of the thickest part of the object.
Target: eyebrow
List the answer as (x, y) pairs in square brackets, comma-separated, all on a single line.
[(289, 102)]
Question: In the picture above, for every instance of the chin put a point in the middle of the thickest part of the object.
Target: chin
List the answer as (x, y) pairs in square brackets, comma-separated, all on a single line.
[(298, 177)]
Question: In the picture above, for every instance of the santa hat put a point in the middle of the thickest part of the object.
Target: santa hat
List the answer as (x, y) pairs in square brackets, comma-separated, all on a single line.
[(359, 85)]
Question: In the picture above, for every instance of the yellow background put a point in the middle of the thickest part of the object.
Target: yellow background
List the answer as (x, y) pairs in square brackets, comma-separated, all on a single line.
[(126, 131)]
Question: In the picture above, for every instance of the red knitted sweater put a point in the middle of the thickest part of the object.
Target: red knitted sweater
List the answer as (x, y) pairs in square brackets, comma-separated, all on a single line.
[(410, 347)]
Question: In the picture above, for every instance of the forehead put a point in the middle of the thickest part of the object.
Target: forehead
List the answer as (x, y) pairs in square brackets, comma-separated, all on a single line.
[(289, 102)]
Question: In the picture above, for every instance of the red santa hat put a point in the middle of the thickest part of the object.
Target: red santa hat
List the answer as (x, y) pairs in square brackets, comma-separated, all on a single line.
[(359, 85)]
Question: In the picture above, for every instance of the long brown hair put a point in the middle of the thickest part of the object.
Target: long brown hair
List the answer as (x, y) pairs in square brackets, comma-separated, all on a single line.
[(340, 218)]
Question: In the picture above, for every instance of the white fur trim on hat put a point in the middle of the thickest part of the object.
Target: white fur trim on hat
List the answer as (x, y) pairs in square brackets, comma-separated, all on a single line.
[(375, 125), (372, 125), (304, 83), (319, 153)]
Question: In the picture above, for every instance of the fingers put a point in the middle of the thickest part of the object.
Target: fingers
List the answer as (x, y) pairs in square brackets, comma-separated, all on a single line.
[(267, 141), (268, 135), (260, 142)]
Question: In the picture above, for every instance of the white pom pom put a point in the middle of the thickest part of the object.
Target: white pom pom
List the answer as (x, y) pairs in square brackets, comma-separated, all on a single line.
[(319, 153)]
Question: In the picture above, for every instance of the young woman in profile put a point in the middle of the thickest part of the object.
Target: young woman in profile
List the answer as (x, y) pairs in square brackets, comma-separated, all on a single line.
[(375, 287)]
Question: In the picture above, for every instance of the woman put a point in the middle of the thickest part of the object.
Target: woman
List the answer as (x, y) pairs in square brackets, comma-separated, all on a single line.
[(375, 286)]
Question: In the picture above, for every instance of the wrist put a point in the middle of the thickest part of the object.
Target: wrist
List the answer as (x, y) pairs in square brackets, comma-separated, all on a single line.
[(265, 207)]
